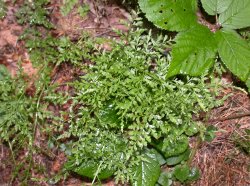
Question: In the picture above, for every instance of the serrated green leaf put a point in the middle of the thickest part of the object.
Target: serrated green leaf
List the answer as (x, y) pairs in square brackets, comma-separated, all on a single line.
[(234, 52), (173, 15), (181, 172), (213, 7), (194, 52), (237, 15), (147, 172)]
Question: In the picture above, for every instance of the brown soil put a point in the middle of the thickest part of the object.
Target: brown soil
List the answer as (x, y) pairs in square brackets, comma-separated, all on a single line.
[(221, 162)]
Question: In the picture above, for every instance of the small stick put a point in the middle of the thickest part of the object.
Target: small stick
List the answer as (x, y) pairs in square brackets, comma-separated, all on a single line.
[(235, 116)]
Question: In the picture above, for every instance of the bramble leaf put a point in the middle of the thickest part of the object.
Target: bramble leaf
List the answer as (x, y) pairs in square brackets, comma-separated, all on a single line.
[(194, 52), (237, 15), (213, 7), (234, 52), (173, 15), (148, 171)]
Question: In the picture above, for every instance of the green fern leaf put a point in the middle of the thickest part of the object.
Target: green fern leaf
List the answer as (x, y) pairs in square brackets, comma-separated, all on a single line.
[(237, 15), (213, 7), (234, 52), (4, 73), (194, 52), (172, 15)]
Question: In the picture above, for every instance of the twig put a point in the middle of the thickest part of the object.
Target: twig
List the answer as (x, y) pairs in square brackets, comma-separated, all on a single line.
[(235, 116), (100, 34), (202, 20)]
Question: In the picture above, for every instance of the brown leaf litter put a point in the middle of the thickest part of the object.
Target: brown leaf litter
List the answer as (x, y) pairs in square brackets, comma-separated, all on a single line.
[(12, 50), (220, 161), (101, 19)]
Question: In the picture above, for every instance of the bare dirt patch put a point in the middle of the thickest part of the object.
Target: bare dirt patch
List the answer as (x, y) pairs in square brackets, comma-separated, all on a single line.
[(12, 51)]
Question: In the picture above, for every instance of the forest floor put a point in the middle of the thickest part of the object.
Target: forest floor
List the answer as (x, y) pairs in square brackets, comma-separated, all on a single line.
[(222, 162)]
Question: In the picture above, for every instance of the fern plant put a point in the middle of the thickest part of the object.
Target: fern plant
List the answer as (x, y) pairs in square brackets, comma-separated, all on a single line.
[(127, 119), (15, 124), (34, 13), (199, 42), (21, 116), (3, 9)]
